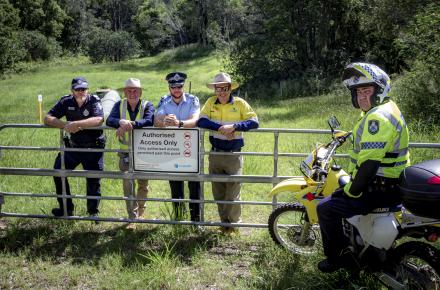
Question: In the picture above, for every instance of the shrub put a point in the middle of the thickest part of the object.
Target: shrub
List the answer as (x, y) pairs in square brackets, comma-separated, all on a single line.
[(11, 52), (417, 93), (38, 46), (106, 45)]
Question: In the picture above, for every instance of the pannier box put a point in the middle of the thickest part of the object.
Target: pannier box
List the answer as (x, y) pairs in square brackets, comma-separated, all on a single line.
[(420, 188)]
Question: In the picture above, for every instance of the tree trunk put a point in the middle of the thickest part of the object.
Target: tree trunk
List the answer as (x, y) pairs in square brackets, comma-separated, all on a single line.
[(202, 14)]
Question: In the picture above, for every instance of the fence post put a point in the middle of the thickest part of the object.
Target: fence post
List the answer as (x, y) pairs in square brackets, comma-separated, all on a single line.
[(275, 163), (2, 201), (63, 170)]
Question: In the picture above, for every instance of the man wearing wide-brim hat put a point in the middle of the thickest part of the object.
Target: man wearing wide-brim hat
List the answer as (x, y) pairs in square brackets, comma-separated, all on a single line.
[(126, 115), (227, 117)]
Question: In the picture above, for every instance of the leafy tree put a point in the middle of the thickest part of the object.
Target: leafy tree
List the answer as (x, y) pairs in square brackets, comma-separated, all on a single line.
[(119, 13), (381, 23), (421, 40), (297, 41), (10, 50), (152, 27), (45, 16), (418, 90)]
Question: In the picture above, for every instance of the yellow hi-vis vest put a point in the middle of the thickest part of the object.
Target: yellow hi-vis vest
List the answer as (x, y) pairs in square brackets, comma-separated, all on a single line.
[(123, 113), (381, 135)]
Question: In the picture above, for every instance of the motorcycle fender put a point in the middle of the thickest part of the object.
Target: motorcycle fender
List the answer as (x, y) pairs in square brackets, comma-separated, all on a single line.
[(378, 230), (292, 185)]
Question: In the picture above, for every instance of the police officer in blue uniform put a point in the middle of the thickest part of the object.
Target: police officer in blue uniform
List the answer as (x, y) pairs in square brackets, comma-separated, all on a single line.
[(181, 110), (81, 110)]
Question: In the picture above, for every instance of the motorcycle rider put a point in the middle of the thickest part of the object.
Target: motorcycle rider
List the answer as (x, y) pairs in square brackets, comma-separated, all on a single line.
[(379, 154)]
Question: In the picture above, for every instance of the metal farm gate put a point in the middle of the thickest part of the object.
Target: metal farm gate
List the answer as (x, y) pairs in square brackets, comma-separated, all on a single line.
[(274, 178)]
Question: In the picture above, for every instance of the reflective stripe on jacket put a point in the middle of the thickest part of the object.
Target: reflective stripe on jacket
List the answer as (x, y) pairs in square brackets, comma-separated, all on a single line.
[(380, 135), (123, 109)]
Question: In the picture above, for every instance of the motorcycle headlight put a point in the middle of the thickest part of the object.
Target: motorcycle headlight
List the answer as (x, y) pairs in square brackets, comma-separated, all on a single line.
[(306, 165)]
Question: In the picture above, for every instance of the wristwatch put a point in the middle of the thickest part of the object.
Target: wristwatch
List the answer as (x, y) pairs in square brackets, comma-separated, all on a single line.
[(180, 124)]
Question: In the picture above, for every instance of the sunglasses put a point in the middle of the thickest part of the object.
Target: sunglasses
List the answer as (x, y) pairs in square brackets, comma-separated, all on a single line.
[(80, 90), (222, 89), (177, 87)]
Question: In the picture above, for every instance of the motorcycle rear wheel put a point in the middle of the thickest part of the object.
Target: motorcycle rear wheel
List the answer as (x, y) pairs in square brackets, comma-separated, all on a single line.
[(288, 227), (417, 265)]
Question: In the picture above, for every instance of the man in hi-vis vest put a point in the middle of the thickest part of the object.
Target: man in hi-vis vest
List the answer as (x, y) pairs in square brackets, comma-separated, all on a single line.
[(127, 114), (379, 154)]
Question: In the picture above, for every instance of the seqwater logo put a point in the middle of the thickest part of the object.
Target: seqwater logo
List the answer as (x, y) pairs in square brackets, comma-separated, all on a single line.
[(176, 165)]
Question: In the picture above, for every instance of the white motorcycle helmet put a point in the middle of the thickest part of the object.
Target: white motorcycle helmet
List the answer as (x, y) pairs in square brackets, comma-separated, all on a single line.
[(360, 74)]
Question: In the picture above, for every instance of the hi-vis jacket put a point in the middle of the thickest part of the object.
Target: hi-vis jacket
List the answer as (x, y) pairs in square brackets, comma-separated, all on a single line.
[(380, 135), (123, 113)]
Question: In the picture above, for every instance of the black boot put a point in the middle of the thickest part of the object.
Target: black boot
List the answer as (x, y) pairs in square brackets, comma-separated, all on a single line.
[(330, 266), (60, 212)]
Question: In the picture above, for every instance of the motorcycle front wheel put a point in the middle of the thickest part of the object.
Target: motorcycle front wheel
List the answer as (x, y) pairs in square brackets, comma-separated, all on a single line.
[(417, 266), (289, 227)]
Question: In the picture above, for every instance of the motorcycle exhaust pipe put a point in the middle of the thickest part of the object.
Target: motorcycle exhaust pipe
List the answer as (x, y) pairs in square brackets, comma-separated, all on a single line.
[(389, 281)]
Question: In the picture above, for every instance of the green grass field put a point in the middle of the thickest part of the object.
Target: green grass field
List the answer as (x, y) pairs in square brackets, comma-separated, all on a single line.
[(81, 255)]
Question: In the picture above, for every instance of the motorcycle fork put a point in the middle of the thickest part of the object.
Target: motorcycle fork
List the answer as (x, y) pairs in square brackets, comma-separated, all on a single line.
[(305, 232)]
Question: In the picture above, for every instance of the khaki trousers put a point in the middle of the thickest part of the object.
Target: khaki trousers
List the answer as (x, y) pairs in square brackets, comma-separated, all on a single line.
[(227, 191), (134, 208)]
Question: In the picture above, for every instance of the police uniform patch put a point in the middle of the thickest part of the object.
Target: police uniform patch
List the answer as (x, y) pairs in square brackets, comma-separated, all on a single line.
[(86, 112), (373, 126), (196, 102)]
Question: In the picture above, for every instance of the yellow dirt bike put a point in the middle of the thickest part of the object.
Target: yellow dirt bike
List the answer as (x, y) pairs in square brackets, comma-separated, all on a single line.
[(373, 237)]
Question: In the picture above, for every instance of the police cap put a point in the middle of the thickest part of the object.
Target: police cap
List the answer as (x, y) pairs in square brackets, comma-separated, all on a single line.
[(79, 83), (175, 79)]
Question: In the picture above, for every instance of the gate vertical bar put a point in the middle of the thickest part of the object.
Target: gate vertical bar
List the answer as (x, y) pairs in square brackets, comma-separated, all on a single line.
[(63, 170), (131, 202), (276, 135), (202, 171)]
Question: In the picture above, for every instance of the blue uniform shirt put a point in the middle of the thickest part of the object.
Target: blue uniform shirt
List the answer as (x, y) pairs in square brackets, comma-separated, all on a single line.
[(184, 110), (68, 107)]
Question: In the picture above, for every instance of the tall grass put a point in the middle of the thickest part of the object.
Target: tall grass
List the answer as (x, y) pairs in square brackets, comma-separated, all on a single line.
[(81, 255)]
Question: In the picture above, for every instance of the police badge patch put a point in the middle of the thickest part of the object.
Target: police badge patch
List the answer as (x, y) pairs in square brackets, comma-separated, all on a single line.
[(85, 112), (373, 126)]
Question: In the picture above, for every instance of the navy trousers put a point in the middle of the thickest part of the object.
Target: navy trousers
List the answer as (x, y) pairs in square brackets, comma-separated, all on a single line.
[(89, 161), (177, 191), (336, 207)]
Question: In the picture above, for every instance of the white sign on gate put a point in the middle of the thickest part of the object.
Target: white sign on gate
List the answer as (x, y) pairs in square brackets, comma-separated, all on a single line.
[(164, 150)]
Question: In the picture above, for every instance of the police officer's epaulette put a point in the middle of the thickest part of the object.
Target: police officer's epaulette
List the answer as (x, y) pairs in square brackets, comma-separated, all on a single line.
[(96, 97), (162, 100), (194, 99)]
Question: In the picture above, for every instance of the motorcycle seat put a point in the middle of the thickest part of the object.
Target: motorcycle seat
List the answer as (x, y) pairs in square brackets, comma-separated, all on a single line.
[(394, 208)]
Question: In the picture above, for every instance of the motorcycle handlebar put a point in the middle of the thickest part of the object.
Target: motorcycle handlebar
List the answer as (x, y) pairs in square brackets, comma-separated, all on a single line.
[(341, 139)]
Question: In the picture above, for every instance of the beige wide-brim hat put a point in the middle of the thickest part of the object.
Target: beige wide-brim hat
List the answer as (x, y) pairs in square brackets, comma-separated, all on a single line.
[(133, 83), (130, 83), (223, 78)]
